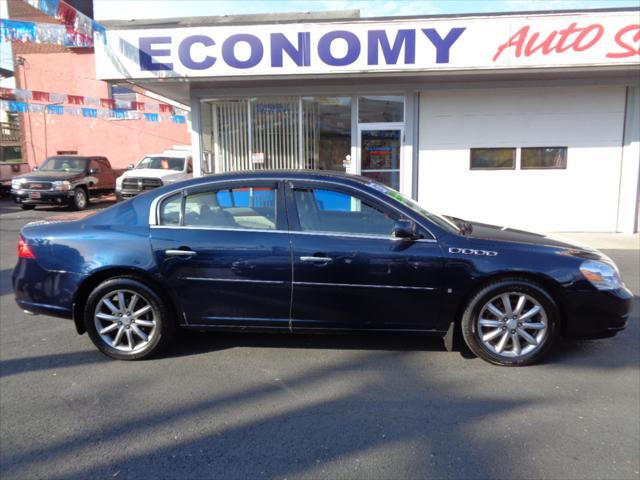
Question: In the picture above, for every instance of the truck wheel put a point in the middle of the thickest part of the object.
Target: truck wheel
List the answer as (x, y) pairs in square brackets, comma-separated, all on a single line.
[(26, 206), (79, 200)]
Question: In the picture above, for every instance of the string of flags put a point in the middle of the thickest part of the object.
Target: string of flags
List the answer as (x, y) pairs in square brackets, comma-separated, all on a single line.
[(23, 95), (76, 30), (89, 112)]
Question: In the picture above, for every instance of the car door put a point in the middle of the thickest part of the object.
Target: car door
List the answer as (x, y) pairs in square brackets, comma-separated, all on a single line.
[(224, 249), (349, 272)]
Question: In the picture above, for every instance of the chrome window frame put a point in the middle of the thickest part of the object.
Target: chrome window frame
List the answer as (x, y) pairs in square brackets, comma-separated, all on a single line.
[(154, 213)]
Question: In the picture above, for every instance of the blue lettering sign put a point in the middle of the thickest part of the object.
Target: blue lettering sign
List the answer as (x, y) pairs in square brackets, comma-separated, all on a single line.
[(443, 45), (184, 52), (147, 52), (301, 55), (391, 54), (229, 54), (353, 48)]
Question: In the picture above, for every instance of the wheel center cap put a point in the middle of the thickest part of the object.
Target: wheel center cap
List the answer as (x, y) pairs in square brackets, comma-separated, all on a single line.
[(512, 324), (126, 320)]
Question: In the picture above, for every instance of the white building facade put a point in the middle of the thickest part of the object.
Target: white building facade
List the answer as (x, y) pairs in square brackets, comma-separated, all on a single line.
[(526, 120)]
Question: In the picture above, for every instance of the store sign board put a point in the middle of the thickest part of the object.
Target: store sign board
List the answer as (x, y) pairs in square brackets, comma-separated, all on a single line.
[(539, 41)]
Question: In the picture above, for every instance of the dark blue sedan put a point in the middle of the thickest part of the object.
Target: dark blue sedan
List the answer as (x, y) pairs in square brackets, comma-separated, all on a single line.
[(310, 252)]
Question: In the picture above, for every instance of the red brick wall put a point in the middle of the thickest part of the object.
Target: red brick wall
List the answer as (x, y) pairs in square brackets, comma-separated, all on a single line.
[(122, 141), (52, 68)]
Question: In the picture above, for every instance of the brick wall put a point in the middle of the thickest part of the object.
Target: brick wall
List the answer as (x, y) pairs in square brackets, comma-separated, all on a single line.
[(51, 68)]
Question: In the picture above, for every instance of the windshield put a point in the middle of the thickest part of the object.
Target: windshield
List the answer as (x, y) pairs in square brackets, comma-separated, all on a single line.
[(64, 164), (162, 163), (437, 219)]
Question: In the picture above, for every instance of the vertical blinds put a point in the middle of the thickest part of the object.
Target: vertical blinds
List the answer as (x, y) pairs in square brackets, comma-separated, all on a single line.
[(260, 134)]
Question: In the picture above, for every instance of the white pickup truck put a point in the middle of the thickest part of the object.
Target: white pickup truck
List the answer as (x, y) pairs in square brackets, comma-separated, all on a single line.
[(154, 171)]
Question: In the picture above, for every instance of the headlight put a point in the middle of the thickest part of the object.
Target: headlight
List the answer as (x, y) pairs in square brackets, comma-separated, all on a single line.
[(16, 184), (62, 186), (603, 276)]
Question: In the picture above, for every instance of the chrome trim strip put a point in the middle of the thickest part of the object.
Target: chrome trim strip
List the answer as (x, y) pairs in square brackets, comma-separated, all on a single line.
[(359, 285), (154, 213), (235, 280), (310, 284), (293, 232)]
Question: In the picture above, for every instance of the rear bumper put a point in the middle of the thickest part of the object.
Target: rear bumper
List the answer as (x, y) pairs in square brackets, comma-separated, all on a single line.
[(43, 291), (597, 314), (47, 197)]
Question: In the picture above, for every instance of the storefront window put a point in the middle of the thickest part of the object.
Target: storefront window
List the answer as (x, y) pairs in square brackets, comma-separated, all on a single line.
[(326, 132), (380, 109), (277, 133)]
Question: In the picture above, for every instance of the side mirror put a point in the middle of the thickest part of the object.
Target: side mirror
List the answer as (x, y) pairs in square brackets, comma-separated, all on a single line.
[(130, 166), (34, 169), (404, 230)]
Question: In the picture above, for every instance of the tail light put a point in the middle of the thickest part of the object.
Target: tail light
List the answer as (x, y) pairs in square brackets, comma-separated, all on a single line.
[(24, 250)]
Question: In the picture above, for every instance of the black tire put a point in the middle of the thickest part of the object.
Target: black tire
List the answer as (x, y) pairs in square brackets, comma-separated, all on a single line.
[(26, 206), (80, 199), (470, 318), (162, 314)]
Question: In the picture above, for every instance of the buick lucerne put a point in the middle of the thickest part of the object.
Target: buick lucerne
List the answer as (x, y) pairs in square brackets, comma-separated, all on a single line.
[(280, 251)]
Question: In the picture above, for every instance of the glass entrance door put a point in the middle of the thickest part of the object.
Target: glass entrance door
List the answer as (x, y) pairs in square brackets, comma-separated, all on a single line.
[(380, 152)]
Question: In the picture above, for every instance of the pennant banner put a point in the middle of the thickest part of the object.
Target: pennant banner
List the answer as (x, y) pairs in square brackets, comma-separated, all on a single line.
[(77, 30), (120, 114), (107, 103)]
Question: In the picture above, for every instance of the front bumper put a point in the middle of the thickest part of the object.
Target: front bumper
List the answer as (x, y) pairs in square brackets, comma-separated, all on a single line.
[(40, 197), (597, 314), (126, 194)]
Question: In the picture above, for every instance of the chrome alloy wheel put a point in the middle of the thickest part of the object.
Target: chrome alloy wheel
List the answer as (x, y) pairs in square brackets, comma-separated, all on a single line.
[(125, 320), (512, 324)]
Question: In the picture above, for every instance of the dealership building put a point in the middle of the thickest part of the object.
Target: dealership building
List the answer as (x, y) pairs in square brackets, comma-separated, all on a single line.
[(530, 120)]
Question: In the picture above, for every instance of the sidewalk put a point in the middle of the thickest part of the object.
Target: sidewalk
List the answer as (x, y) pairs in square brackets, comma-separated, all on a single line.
[(604, 241)]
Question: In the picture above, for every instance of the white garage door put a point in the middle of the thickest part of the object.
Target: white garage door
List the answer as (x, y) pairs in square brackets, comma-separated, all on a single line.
[(588, 121)]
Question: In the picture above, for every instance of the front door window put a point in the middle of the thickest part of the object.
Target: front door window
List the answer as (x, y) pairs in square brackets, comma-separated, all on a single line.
[(380, 155)]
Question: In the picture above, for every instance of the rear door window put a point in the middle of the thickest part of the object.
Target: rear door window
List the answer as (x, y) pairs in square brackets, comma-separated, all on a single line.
[(252, 208)]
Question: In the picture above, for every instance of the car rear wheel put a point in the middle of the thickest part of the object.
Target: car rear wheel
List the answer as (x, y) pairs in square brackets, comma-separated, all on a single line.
[(79, 201), (127, 320), (511, 322)]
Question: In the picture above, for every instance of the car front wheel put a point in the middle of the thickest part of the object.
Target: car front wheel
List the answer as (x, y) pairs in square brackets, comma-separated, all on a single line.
[(127, 320), (510, 322), (79, 200)]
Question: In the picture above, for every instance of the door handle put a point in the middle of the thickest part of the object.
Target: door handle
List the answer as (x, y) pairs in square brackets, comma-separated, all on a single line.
[(179, 253), (316, 259)]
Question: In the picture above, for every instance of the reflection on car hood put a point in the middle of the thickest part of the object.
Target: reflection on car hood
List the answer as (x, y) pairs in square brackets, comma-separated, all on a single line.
[(506, 234)]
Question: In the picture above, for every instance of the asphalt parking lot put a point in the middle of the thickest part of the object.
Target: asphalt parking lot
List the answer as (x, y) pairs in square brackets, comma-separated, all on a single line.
[(251, 406)]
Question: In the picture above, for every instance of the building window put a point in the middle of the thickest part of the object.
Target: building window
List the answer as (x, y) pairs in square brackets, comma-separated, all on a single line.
[(381, 109), (122, 97), (544, 158), (493, 158)]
